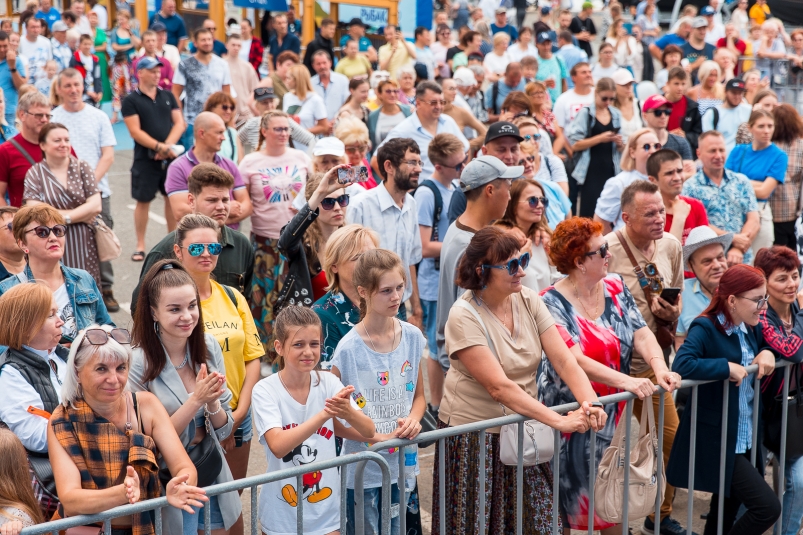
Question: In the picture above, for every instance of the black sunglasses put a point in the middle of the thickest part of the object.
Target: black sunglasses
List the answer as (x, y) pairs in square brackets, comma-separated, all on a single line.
[(607, 99), (512, 266), (602, 251), (328, 203), (535, 201), (43, 232), (647, 146), (659, 113)]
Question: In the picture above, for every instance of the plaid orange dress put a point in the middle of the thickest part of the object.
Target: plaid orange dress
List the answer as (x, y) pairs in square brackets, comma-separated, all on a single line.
[(101, 453)]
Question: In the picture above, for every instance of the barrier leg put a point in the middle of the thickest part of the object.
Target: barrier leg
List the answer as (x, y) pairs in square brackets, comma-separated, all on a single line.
[(481, 512), (254, 511), (592, 479), (556, 483), (660, 456), (520, 479), (692, 446), (629, 416), (722, 448)]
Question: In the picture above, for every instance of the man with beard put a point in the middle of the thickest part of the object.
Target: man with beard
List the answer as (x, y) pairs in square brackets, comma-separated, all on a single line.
[(198, 77), (392, 212)]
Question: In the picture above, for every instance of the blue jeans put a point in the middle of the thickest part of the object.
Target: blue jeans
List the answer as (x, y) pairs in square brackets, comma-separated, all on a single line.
[(373, 506), (247, 427), (187, 139), (430, 321), (195, 523), (793, 497)]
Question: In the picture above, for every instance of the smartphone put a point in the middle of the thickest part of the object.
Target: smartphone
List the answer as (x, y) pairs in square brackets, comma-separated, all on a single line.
[(350, 175), (238, 437), (615, 130), (670, 295)]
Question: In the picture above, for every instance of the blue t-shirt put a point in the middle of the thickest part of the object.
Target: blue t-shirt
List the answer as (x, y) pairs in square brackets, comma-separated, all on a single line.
[(290, 42), (692, 54), (758, 165), (504, 91), (50, 17), (176, 30), (364, 42), (555, 69), (428, 277), (508, 29), (7, 85), (670, 39), (559, 204)]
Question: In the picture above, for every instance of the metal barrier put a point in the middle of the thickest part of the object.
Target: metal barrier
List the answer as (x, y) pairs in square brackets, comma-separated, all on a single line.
[(362, 458), (784, 78)]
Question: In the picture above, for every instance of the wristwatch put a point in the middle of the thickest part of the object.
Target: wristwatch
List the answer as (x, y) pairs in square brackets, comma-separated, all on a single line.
[(68, 219), (12, 70), (597, 404)]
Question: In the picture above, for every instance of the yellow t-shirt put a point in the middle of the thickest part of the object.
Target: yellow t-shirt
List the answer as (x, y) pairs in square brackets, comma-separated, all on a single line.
[(359, 66), (759, 13), (398, 60), (234, 329)]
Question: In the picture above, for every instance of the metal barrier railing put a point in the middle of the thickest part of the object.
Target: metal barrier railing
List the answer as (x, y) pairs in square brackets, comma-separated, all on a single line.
[(784, 78), (362, 458)]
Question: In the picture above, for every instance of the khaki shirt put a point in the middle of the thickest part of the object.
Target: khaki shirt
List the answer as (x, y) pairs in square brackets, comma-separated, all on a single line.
[(668, 258), (465, 400)]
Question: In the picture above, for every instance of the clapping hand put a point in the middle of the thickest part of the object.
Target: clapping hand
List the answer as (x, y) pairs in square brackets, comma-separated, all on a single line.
[(183, 496), (208, 386), (131, 484), (339, 405)]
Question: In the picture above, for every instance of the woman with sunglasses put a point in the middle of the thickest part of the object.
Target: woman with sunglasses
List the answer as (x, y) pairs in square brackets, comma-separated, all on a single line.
[(440, 47), (552, 177), (359, 89), (389, 114), (641, 145), (224, 106), (104, 440), (544, 118), (597, 145), (303, 240), (485, 377), (597, 317), (40, 232), (184, 368), (721, 342), (69, 185)]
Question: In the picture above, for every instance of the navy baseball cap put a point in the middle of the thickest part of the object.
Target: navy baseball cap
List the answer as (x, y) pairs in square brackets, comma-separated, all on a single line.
[(543, 37), (147, 62), (158, 27), (707, 11)]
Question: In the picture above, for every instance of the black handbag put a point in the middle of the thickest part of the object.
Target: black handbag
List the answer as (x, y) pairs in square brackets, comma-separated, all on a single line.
[(794, 420), (206, 458), (428, 423)]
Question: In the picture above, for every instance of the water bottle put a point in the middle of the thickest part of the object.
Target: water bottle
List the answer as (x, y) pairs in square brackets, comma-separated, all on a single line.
[(410, 462)]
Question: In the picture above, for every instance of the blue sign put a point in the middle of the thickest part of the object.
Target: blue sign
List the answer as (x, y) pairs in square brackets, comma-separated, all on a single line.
[(371, 16), (267, 5)]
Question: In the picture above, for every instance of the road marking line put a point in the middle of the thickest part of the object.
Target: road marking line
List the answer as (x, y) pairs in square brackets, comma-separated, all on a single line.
[(153, 217)]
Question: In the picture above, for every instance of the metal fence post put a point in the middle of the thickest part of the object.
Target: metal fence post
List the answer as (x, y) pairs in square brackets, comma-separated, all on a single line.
[(754, 441), (692, 447), (158, 521), (660, 456), (255, 510), (555, 483), (344, 492), (520, 479), (207, 519), (625, 505), (483, 452), (722, 449), (402, 484), (592, 478), (442, 482), (784, 416)]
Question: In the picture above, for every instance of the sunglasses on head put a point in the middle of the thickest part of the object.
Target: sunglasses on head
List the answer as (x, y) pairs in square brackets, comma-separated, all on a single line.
[(512, 266), (647, 146), (602, 251), (98, 337), (262, 91), (43, 232), (659, 113), (197, 249), (535, 201), (328, 203)]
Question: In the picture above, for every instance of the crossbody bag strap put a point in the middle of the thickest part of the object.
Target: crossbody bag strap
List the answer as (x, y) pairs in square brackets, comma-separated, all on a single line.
[(636, 267), (24, 152)]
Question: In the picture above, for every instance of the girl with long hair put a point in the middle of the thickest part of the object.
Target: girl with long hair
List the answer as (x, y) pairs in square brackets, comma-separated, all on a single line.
[(18, 506), (355, 103), (303, 103)]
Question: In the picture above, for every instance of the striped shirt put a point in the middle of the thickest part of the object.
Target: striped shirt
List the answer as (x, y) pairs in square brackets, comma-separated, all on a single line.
[(744, 429)]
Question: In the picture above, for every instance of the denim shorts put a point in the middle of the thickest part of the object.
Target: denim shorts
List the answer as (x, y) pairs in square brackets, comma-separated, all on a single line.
[(372, 511), (194, 523), (247, 427)]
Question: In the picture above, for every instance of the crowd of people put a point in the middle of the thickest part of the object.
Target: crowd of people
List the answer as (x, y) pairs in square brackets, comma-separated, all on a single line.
[(527, 230)]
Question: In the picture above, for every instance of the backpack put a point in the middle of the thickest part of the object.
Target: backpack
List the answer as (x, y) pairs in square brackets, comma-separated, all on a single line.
[(494, 96), (715, 112), (436, 215)]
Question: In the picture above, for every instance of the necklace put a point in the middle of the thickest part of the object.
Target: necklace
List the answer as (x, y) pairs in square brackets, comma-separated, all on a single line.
[(183, 362), (596, 301), (494, 314), (392, 347)]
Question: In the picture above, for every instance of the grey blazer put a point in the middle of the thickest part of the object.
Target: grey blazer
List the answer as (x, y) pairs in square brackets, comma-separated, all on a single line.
[(171, 392)]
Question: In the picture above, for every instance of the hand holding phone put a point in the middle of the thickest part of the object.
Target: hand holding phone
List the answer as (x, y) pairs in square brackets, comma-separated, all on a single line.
[(350, 175), (670, 295)]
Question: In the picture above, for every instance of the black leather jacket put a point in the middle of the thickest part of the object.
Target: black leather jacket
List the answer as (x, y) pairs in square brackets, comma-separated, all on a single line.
[(297, 288)]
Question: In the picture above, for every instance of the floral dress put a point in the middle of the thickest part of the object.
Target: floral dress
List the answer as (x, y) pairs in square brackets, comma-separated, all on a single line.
[(609, 341)]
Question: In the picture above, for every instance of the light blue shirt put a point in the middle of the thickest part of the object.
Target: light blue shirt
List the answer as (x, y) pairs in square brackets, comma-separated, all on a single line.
[(61, 53), (730, 119), (425, 56), (411, 128), (694, 302), (559, 204), (397, 226), (552, 69), (571, 56), (504, 91), (334, 94), (744, 428), (428, 276), (609, 204), (7, 85)]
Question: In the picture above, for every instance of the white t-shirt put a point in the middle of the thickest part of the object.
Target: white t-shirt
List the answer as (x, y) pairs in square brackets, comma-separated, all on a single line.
[(103, 16), (310, 111), (274, 407), (598, 71), (90, 131), (66, 312), (515, 53), (38, 53), (88, 62), (200, 81), (568, 105), (496, 64), (384, 124), (245, 50)]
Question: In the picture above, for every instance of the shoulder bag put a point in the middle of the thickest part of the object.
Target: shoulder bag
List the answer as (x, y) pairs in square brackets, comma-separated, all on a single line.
[(109, 247), (773, 416), (609, 491), (539, 438)]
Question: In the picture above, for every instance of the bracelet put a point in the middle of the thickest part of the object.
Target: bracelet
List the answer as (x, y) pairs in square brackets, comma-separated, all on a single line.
[(156, 148), (219, 407)]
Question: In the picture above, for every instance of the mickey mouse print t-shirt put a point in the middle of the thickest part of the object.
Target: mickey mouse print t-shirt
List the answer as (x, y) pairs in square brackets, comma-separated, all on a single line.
[(274, 407), (384, 386), (273, 182)]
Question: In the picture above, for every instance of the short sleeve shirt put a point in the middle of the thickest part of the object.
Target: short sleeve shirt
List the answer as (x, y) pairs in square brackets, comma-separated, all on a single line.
[(758, 165), (364, 42), (199, 82), (465, 400), (427, 274), (176, 30), (155, 116), (552, 68)]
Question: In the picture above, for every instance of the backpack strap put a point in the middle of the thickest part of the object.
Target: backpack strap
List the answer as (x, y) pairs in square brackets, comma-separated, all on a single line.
[(715, 111), (24, 152), (494, 96), (230, 292)]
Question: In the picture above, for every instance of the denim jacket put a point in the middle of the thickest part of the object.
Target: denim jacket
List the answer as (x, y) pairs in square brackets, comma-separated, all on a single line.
[(579, 129), (84, 295)]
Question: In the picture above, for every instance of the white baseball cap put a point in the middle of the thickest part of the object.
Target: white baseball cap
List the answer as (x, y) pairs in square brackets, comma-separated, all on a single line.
[(329, 145), (463, 77)]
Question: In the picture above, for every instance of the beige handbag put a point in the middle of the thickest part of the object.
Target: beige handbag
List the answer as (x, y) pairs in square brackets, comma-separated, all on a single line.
[(644, 465), (108, 243)]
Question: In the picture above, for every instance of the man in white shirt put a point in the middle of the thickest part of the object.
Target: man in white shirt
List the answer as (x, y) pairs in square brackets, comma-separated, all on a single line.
[(716, 30), (730, 115), (36, 48), (58, 44), (572, 101), (332, 86), (81, 22), (93, 140)]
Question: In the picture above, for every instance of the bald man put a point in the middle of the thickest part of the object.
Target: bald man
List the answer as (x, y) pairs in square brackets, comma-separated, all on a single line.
[(209, 134)]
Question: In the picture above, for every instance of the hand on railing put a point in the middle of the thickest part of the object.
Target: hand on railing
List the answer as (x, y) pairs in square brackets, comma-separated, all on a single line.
[(668, 380), (766, 363), (183, 496), (641, 387), (131, 485), (11, 528), (407, 428), (573, 422), (737, 373)]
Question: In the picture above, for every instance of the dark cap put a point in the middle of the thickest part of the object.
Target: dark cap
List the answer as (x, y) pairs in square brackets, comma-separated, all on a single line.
[(503, 129), (735, 84), (264, 93), (546, 10), (543, 37), (707, 11), (356, 22), (158, 27), (147, 62)]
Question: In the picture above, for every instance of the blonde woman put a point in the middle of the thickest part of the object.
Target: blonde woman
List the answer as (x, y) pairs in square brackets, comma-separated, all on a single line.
[(354, 135), (625, 48), (710, 92), (497, 60), (303, 103), (18, 506)]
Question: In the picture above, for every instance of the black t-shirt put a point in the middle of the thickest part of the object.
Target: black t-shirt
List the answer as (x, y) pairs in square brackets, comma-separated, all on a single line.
[(452, 52), (578, 26), (155, 117)]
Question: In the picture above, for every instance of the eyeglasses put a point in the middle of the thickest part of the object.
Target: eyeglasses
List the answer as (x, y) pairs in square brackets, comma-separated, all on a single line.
[(445, 33), (328, 203), (526, 159), (43, 232), (98, 337), (647, 146), (602, 251), (538, 94), (607, 99), (197, 249), (390, 91), (761, 302), (434, 103), (358, 148), (532, 137), (512, 266), (535, 201), (226, 107), (40, 116), (281, 129), (660, 113), (413, 163)]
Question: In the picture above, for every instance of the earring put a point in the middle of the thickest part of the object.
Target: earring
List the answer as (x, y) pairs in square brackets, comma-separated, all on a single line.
[(25, 251), (156, 327), (583, 270)]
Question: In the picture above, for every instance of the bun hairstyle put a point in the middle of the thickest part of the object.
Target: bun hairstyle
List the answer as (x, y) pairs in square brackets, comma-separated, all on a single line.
[(370, 268), (288, 322)]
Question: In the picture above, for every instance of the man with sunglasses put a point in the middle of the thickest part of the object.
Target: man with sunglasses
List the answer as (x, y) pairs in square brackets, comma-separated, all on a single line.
[(727, 117), (659, 259), (655, 112)]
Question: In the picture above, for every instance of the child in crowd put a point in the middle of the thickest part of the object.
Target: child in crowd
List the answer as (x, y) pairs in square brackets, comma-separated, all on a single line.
[(88, 65), (121, 82), (297, 413), (380, 357), (43, 84)]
